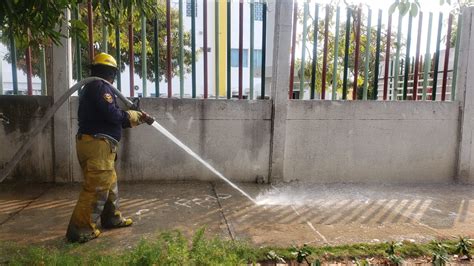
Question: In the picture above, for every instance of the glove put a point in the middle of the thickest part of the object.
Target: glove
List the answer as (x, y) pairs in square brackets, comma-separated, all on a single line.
[(134, 118), (146, 118)]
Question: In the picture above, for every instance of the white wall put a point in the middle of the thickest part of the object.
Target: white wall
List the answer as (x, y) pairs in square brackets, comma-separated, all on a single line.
[(352, 141), (373, 142)]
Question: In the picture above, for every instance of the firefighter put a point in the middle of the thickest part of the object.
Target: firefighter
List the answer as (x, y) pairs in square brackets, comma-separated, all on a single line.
[(100, 129)]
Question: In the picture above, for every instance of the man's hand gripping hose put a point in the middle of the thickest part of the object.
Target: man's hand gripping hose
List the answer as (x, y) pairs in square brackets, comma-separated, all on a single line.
[(144, 117)]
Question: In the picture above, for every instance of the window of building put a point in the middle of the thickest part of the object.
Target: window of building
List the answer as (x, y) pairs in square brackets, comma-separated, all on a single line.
[(188, 8), (258, 11), (234, 58)]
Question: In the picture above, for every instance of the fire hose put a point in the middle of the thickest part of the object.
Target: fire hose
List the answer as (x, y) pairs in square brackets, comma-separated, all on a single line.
[(30, 137)]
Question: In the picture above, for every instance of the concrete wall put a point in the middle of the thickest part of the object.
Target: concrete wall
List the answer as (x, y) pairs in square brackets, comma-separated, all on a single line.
[(233, 136), (376, 142), (24, 113), (354, 141)]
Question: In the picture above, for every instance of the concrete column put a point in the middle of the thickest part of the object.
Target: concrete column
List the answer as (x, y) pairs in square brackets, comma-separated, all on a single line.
[(279, 91), (465, 96), (60, 83)]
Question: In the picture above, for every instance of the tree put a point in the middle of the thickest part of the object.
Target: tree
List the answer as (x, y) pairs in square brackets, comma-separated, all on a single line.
[(16, 19), (137, 42), (341, 51)]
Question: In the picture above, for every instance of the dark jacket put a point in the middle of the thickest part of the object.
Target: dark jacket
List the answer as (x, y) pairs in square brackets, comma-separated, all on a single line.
[(98, 111)]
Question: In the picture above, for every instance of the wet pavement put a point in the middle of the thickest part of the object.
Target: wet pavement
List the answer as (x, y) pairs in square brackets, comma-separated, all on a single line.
[(289, 214)]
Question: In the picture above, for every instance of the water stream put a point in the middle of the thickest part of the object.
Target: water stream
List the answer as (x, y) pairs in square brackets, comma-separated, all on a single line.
[(165, 132)]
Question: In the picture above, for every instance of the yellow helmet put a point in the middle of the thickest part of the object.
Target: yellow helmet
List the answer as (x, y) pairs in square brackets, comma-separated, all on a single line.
[(104, 59)]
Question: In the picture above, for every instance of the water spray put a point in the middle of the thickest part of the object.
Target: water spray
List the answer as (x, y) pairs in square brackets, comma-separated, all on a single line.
[(134, 105), (170, 136)]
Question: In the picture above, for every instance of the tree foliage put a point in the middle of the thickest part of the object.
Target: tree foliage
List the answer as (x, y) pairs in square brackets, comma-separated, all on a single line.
[(341, 52), (37, 19), (37, 23), (122, 21)]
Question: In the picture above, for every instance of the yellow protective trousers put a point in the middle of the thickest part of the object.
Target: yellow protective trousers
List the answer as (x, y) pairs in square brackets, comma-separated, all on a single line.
[(99, 195)]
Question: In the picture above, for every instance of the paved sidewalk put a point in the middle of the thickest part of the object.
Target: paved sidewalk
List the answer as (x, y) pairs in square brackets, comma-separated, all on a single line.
[(292, 214)]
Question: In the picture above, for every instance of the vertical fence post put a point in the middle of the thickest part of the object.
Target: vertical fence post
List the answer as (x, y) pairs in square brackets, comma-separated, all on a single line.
[(14, 69), (105, 32), (456, 59), (264, 48), (375, 88), (241, 46), (206, 74), (417, 60), (375, 82), (181, 51), (446, 58), (303, 49), (397, 59), (356, 59), (315, 50), (131, 53), (216, 46), (90, 25), (252, 33), (421, 63), (427, 63), (204, 18), (293, 47), (436, 63), (44, 80), (193, 47), (392, 69), (144, 64), (118, 53), (29, 68), (407, 58), (335, 78), (168, 48), (77, 43), (367, 55), (229, 45), (1, 76), (325, 54), (387, 57), (346, 54), (156, 56)]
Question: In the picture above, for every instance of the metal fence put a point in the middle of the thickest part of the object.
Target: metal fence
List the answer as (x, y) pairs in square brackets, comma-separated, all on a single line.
[(392, 61), (221, 41), (350, 59), (222, 14)]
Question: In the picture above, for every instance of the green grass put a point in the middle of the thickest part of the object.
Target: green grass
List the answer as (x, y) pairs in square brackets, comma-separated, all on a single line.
[(172, 248)]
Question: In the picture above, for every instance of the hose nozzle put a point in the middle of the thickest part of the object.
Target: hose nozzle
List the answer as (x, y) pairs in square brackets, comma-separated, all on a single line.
[(147, 118)]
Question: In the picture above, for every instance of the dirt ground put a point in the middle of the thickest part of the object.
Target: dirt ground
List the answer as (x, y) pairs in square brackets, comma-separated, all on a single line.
[(288, 214)]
